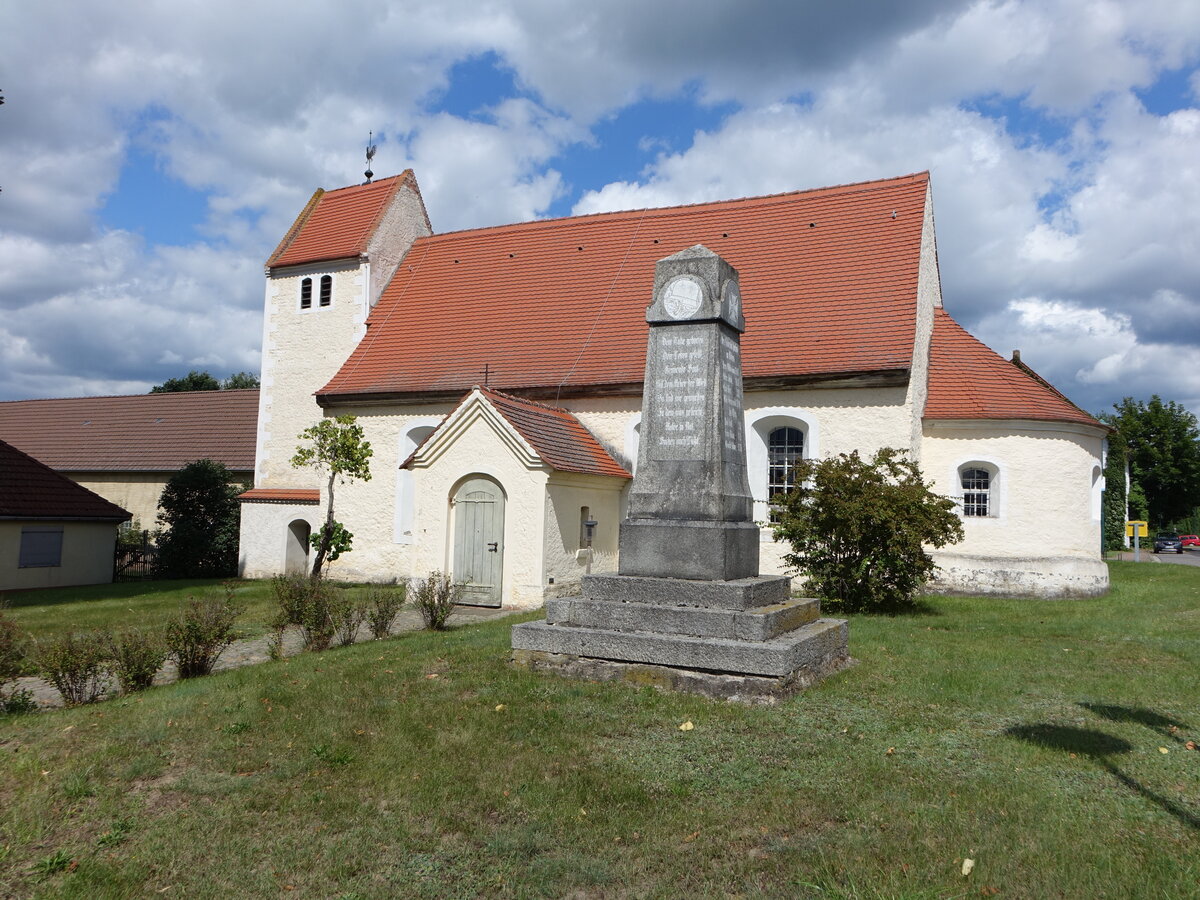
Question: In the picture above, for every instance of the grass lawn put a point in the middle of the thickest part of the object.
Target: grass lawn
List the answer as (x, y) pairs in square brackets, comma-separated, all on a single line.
[(1024, 735), (132, 604)]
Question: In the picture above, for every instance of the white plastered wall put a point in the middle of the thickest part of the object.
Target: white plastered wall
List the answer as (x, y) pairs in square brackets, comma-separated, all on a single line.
[(1043, 538), (929, 297), (303, 349), (564, 557), (481, 449), (87, 555), (264, 534)]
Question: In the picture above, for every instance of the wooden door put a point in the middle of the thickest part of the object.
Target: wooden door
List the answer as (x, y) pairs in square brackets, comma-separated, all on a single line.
[(479, 541)]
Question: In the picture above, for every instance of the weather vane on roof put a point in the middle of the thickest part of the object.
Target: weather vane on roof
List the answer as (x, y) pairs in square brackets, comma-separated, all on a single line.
[(370, 155)]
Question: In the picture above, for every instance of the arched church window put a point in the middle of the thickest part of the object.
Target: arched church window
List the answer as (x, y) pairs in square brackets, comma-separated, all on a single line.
[(785, 448), (976, 492), (326, 290), (306, 293)]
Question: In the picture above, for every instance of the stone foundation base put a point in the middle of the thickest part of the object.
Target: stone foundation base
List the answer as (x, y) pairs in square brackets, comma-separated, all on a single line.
[(1049, 577), (716, 685)]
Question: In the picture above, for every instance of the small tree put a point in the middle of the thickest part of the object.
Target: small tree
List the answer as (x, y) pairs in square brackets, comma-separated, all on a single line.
[(192, 381), (338, 450), (201, 515), (857, 529), (240, 381)]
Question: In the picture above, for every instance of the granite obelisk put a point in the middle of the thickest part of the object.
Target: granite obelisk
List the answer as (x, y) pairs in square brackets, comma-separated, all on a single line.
[(688, 609)]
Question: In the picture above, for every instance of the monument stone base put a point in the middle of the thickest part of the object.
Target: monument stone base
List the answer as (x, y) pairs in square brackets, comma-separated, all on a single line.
[(745, 639), (703, 551)]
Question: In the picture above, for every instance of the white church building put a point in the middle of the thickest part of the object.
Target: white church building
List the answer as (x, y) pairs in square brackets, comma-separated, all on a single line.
[(497, 373)]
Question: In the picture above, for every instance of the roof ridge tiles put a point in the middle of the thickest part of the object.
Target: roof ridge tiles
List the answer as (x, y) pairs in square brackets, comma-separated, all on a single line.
[(524, 400), (222, 391), (698, 206)]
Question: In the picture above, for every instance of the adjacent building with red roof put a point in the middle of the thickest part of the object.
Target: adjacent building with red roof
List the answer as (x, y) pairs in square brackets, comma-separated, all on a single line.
[(126, 448), (498, 375), (53, 532)]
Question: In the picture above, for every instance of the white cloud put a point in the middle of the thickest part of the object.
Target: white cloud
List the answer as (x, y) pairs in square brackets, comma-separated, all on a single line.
[(257, 102)]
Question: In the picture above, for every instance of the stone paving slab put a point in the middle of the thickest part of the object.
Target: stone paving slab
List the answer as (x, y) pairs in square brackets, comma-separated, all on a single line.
[(256, 650)]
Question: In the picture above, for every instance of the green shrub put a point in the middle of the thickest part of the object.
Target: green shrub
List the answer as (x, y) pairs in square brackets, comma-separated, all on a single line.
[(306, 602), (858, 529), (434, 598), (75, 663), (348, 615), (200, 516), (11, 652), (200, 633), (135, 657), (383, 603), (19, 701)]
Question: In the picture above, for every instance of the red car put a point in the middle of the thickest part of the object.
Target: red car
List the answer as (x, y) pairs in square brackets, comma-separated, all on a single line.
[(1189, 540)]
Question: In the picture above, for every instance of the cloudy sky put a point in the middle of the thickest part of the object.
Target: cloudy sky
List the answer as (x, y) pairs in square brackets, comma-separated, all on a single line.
[(152, 154)]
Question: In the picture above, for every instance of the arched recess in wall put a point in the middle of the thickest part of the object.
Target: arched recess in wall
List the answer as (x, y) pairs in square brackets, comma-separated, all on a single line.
[(790, 428), (411, 437), (980, 489), (1097, 493), (633, 433), (295, 555)]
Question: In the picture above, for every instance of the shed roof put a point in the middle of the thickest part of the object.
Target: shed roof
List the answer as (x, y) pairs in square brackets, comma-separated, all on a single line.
[(30, 489), (138, 433), (338, 224), (968, 380), (828, 278)]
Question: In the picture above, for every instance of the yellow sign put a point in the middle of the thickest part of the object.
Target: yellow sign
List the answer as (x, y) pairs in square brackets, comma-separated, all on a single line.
[(1140, 526)]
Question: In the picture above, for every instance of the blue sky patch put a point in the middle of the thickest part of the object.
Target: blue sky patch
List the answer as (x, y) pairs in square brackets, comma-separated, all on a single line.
[(1172, 91), (149, 202), (630, 140), (475, 85)]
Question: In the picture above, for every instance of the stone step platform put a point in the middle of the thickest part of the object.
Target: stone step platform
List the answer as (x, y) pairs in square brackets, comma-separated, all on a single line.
[(760, 623), (819, 646), (739, 594)]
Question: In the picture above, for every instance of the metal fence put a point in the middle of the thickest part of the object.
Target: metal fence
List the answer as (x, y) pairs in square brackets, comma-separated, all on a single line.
[(134, 557)]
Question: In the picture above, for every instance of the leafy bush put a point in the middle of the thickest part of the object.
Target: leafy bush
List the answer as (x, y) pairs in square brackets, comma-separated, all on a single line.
[(200, 516), (11, 653), (435, 597), (857, 529), (305, 601), (75, 663), (20, 701), (383, 603), (201, 632), (347, 615), (135, 658)]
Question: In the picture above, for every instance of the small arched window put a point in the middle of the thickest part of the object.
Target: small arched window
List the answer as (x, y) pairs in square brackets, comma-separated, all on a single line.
[(306, 293), (976, 492), (785, 448), (326, 290)]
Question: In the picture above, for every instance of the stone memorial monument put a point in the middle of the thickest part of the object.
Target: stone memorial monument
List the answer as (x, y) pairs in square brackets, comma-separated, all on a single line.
[(688, 609)]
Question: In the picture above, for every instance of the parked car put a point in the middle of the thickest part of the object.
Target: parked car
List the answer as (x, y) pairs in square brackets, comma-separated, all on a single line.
[(1167, 542), (1189, 540)]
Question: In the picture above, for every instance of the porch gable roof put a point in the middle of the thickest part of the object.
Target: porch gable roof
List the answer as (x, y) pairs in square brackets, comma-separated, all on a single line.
[(550, 434)]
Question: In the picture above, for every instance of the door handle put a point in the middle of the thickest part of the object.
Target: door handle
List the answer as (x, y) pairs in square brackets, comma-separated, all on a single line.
[(493, 547)]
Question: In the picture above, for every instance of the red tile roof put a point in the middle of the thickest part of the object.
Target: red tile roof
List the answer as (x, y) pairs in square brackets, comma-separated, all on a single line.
[(556, 435), (32, 490), (138, 433), (281, 495), (338, 224), (828, 277), (967, 380)]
